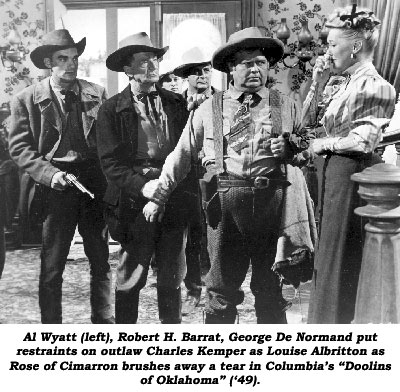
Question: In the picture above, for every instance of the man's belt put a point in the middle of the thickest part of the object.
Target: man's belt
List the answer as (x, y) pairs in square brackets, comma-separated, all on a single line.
[(148, 162), (260, 182)]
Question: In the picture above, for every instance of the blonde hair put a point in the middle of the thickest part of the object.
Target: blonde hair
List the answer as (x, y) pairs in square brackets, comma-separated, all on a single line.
[(356, 24)]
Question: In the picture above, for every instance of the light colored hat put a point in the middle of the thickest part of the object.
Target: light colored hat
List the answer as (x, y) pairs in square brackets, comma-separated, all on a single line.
[(194, 57), (248, 38), (166, 67), (184, 70), (135, 43), (53, 41)]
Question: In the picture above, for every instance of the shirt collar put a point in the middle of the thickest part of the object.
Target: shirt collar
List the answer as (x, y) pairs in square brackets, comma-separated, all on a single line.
[(357, 68), (57, 88), (234, 93), (135, 89), (207, 93)]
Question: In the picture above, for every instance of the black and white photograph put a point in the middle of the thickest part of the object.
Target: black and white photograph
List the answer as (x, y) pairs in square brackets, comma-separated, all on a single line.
[(200, 162)]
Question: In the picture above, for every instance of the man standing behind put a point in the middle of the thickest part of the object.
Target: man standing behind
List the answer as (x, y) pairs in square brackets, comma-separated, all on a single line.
[(138, 128), (198, 75), (53, 133), (247, 133)]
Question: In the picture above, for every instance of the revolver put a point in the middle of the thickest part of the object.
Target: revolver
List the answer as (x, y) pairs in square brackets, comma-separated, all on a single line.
[(72, 180)]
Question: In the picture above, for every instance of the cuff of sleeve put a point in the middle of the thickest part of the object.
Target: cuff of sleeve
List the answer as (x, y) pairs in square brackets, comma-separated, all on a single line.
[(138, 183), (298, 143), (48, 174)]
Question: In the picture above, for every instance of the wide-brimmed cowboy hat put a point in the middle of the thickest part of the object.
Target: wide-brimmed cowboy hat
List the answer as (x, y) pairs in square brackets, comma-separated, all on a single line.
[(248, 38), (166, 68), (53, 41), (135, 43), (184, 70)]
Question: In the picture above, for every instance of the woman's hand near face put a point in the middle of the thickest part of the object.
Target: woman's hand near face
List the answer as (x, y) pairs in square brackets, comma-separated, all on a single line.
[(321, 69)]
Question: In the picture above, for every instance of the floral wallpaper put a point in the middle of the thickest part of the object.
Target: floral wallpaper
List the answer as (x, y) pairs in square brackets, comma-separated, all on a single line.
[(294, 81), (27, 18)]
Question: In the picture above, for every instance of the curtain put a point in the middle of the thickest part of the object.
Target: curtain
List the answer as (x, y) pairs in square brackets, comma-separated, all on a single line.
[(194, 35), (171, 21), (387, 53)]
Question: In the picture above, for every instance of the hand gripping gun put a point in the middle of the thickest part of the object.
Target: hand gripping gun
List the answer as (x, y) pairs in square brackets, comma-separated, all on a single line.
[(73, 181)]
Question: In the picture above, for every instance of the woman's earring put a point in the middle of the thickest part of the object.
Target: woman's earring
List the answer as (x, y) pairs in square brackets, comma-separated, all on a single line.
[(353, 56)]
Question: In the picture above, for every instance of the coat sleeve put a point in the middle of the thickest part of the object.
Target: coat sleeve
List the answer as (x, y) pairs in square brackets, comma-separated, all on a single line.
[(115, 153), (23, 147)]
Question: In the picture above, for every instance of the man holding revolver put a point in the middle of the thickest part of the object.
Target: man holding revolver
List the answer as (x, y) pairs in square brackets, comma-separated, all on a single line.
[(52, 137)]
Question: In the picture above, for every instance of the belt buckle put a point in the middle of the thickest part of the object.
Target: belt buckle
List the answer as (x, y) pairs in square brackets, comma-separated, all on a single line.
[(261, 182)]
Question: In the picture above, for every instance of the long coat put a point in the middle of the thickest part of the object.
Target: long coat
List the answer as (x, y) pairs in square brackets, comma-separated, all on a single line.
[(36, 130), (117, 138)]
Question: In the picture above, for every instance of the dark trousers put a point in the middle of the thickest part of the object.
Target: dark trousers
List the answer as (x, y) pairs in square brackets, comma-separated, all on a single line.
[(247, 232), (193, 246), (66, 210), (2, 249), (167, 240), (2, 224)]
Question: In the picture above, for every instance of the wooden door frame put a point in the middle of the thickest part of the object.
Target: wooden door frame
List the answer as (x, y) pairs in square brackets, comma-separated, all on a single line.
[(247, 10)]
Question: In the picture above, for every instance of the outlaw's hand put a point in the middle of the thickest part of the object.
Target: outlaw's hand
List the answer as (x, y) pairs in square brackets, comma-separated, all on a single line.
[(153, 212), (318, 146), (154, 191), (280, 147), (58, 181)]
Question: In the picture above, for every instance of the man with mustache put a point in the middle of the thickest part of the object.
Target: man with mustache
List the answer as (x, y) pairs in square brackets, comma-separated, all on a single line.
[(53, 132)]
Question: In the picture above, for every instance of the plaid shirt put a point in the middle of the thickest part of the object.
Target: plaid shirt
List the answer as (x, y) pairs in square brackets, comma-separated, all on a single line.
[(358, 110)]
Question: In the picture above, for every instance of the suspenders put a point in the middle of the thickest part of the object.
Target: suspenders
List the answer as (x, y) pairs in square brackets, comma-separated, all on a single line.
[(220, 146)]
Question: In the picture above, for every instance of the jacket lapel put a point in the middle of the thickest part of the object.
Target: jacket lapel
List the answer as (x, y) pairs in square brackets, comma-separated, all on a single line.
[(48, 108), (127, 111), (91, 101)]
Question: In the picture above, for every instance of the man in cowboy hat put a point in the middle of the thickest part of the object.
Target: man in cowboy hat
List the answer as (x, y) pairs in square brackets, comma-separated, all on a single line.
[(137, 129), (53, 133), (245, 133), (198, 76)]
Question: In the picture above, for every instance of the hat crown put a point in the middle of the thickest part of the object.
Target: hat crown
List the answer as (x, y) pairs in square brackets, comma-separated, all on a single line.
[(140, 39), (58, 37), (249, 32)]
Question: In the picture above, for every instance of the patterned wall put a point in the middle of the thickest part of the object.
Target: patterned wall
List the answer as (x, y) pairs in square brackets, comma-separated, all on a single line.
[(295, 81), (27, 17)]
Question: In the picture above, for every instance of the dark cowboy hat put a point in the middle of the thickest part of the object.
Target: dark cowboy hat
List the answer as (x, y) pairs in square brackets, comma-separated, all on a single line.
[(184, 70), (249, 38), (53, 41), (135, 43)]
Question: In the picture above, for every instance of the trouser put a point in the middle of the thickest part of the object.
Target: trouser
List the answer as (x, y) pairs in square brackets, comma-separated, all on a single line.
[(246, 232), (2, 249), (167, 240), (66, 210), (193, 247)]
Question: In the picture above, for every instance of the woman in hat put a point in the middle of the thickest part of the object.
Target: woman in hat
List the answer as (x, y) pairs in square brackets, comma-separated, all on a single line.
[(356, 103), (168, 80)]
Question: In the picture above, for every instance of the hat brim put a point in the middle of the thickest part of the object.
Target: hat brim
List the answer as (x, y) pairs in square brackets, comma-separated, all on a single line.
[(272, 48), (182, 70), (45, 51), (118, 59)]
